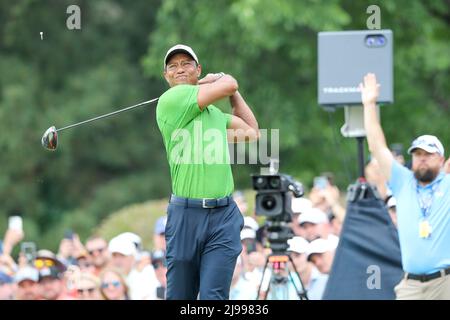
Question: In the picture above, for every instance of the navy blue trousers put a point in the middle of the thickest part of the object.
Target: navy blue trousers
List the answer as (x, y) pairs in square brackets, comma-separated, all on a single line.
[(202, 249)]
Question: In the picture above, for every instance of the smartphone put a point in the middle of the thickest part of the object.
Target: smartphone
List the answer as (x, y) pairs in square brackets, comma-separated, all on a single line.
[(68, 234), (250, 246), (15, 223), (29, 251), (320, 182), (161, 293), (397, 149)]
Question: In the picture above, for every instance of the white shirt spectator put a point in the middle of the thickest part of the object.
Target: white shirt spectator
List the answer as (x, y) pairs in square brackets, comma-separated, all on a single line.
[(142, 284)]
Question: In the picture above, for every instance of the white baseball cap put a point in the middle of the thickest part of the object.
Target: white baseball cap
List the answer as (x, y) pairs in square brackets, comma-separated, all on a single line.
[(319, 246), (248, 233), (177, 49), (428, 143), (299, 205), (313, 215), (122, 245), (298, 245), (26, 273), (251, 223)]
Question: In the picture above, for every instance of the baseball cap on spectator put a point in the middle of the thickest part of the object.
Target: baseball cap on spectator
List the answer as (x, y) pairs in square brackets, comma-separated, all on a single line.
[(428, 143), (179, 48), (300, 205), (318, 246), (133, 238), (298, 245), (249, 222), (26, 273), (122, 245), (46, 254), (248, 233), (160, 225), (312, 215), (5, 278)]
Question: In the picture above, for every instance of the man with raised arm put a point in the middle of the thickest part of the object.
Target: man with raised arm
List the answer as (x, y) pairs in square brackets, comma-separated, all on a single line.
[(423, 205)]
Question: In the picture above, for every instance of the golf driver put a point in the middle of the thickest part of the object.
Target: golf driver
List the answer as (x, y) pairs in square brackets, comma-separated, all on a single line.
[(50, 138)]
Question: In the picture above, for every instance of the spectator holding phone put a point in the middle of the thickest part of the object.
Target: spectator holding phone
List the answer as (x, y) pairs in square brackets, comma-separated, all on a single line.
[(326, 197), (160, 266), (14, 234), (97, 247)]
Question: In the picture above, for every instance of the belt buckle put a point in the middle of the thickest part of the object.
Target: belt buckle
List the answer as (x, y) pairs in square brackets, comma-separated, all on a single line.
[(205, 206)]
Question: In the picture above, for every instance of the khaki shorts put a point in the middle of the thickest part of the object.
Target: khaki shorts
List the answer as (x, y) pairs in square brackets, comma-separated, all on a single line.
[(436, 289)]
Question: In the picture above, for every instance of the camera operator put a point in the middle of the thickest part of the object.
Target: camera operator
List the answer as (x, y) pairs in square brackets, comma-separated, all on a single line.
[(326, 197)]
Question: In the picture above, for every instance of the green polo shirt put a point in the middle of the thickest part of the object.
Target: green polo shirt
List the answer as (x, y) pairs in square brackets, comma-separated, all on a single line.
[(196, 144)]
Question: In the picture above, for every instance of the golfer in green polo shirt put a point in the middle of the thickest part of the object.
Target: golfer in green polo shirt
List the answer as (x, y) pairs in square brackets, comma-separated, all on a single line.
[(204, 223)]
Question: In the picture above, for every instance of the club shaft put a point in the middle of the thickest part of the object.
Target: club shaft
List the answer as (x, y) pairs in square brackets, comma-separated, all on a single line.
[(108, 114)]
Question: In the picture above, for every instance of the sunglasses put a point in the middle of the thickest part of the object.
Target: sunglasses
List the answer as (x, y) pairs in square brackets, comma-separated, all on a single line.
[(115, 284), (88, 290), (99, 250), (41, 263)]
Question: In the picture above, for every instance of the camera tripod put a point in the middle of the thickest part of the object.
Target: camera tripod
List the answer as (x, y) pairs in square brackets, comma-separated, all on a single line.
[(278, 285)]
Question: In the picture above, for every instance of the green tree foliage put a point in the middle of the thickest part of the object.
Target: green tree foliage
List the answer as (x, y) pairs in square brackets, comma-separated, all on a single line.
[(115, 60), (70, 76)]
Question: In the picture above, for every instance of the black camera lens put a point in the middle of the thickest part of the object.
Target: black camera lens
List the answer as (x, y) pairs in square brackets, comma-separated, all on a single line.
[(275, 182), (269, 202), (260, 183)]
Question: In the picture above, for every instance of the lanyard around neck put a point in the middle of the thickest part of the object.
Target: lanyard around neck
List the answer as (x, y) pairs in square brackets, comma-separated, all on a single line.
[(426, 199)]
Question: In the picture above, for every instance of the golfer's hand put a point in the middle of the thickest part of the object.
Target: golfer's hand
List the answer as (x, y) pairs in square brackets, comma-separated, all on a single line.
[(370, 90), (210, 78)]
